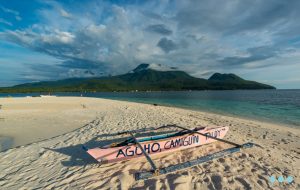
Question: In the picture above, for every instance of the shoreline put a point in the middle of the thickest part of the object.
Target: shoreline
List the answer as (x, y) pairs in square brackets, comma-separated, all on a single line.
[(267, 121), (283, 114), (9, 140)]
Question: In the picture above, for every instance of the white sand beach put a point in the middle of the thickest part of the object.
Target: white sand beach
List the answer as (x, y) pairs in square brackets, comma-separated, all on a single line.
[(54, 129)]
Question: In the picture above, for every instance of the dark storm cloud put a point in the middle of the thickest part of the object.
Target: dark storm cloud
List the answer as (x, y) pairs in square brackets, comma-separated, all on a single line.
[(82, 64), (152, 15), (42, 72), (255, 54), (239, 16), (159, 28), (166, 45), (274, 14), (68, 69)]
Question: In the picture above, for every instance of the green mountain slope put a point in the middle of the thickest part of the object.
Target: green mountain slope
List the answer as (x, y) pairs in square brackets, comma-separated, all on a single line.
[(142, 78), (232, 82)]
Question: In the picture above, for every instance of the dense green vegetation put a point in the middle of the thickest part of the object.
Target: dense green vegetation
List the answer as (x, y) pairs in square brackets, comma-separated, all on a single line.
[(141, 80)]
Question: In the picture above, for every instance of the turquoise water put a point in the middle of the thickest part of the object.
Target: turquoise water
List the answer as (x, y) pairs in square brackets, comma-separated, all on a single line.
[(277, 106)]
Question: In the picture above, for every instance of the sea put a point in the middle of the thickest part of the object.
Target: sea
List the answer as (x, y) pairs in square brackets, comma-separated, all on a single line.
[(275, 106)]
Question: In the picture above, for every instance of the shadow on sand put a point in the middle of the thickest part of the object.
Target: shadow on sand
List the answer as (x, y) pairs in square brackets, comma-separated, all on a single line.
[(79, 157)]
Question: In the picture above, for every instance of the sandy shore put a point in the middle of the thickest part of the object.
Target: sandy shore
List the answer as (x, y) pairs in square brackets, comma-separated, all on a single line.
[(60, 163), (27, 120)]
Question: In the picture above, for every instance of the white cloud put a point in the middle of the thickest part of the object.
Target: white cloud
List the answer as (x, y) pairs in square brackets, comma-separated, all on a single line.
[(65, 13), (58, 37), (5, 22), (10, 11)]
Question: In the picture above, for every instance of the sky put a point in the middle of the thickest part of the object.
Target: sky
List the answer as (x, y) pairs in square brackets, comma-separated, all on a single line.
[(49, 40)]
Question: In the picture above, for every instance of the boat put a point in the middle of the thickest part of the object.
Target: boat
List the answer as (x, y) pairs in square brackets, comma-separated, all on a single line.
[(156, 144), (134, 147), (47, 96)]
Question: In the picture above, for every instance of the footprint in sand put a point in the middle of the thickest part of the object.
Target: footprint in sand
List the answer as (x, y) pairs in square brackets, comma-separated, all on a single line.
[(216, 182), (246, 185)]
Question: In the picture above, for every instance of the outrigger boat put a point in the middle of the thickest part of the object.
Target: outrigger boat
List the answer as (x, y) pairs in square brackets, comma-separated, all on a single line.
[(134, 147)]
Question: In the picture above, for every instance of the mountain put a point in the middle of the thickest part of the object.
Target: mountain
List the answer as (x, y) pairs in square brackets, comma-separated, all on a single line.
[(225, 77), (145, 77), (232, 81)]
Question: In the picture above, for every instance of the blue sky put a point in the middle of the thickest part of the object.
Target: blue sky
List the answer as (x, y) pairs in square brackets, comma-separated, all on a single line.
[(50, 40)]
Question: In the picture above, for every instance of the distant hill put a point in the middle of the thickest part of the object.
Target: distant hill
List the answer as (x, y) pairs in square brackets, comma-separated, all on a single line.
[(145, 77), (225, 77), (232, 81)]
